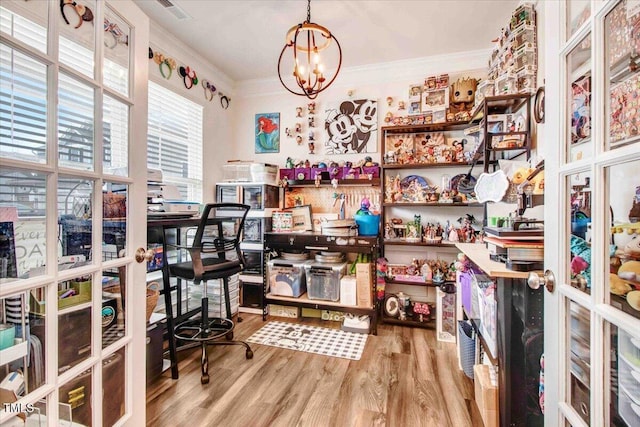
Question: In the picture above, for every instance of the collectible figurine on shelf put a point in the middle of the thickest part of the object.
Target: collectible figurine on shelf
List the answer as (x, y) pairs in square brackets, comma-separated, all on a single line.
[(312, 121), (288, 132), (311, 107), (298, 111), (462, 94)]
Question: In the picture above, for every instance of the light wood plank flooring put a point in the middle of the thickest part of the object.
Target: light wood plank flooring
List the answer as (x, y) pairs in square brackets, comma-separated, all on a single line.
[(404, 378)]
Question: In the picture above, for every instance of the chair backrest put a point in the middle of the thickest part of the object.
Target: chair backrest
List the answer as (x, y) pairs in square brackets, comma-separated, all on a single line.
[(220, 229)]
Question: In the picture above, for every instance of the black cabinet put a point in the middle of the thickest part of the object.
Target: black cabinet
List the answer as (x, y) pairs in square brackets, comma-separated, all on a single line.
[(520, 345)]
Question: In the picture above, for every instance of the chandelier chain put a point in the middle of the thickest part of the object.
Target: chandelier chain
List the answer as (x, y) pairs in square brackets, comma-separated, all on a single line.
[(308, 10)]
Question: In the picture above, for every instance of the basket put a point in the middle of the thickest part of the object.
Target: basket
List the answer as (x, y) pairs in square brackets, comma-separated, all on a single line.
[(153, 293)]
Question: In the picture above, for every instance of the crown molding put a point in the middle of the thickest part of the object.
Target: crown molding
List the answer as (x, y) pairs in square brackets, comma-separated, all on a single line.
[(381, 73)]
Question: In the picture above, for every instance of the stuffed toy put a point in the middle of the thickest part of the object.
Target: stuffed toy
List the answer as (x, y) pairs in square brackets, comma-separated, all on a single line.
[(581, 261), (382, 267)]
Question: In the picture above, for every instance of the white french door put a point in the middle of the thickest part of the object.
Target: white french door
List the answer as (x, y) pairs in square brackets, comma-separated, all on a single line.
[(73, 124), (591, 146)]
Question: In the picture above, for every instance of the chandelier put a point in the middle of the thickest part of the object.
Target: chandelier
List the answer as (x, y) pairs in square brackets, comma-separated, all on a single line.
[(306, 41)]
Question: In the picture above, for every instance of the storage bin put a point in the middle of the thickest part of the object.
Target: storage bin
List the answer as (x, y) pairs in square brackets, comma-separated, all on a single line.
[(486, 395), (286, 278), (284, 311), (374, 171), (467, 347), (350, 173), (237, 172), (323, 280), (262, 172), (287, 174), (368, 225), (317, 172), (302, 173)]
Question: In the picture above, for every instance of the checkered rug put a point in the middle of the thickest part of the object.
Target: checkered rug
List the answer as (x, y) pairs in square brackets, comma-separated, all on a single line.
[(311, 339)]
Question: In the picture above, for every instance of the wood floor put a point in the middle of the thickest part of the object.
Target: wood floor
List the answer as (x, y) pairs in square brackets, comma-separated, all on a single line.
[(404, 378)]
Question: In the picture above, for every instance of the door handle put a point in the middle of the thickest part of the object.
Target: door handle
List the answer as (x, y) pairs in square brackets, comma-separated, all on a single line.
[(548, 280), (143, 254)]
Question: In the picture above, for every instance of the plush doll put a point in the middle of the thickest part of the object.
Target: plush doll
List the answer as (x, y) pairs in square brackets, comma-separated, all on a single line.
[(382, 266), (581, 261)]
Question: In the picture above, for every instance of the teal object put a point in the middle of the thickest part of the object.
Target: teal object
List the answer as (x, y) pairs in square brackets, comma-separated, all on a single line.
[(368, 224)]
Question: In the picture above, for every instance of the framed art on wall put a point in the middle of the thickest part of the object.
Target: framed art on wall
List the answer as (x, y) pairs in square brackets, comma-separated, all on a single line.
[(352, 128), (267, 127)]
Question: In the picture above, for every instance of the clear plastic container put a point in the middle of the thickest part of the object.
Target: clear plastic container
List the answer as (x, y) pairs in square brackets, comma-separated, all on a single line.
[(287, 278), (323, 280)]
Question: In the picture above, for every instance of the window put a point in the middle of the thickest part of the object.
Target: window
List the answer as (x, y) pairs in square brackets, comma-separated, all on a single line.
[(174, 140)]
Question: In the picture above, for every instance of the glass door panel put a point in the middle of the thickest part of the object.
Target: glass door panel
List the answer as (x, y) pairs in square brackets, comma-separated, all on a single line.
[(623, 257), (116, 52), (579, 360), (76, 126), (23, 196), (579, 99), (23, 106), (26, 21), (622, 40), (580, 213), (578, 12), (77, 394), (113, 305), (113, 378), (115, 117), (77, 36), (624, 381), (74, 213)]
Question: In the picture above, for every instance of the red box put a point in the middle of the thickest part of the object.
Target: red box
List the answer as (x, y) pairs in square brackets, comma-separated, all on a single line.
[(302, 173), (287, 174)]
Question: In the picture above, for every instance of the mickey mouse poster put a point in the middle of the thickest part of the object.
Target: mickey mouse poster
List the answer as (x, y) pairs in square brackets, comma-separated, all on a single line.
[(352, 128)]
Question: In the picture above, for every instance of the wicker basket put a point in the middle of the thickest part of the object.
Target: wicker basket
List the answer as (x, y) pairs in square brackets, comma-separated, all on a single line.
[(153, 292)]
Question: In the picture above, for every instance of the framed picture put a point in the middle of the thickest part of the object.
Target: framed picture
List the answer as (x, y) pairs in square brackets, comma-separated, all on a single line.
[(267, 133), (302, 218), (352, 128)]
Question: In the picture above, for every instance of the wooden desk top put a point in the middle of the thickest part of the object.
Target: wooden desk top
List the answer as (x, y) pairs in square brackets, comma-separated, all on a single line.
[(479, 254)]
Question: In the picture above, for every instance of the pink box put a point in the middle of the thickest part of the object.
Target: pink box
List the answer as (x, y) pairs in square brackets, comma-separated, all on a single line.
[(335, 172), (374, 171), (302, 173), (350, 173), (286, 173), (317, 172)]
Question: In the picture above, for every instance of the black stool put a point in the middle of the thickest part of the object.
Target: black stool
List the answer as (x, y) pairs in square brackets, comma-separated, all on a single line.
[(215, 254)]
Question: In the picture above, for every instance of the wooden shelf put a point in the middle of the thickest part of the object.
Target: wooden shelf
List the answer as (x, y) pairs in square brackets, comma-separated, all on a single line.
[(405, 243), (436, 204), (304, 301), (426, 127), (431, 324), (425, 165), (374, 182), (428, 283)]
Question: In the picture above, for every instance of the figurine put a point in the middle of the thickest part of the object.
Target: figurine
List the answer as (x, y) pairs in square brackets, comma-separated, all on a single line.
[(462, 94), (312, 121), (312, 146), (312, 107), (289, 163), (311, 136), (299, 139), (298, 128), (288, 132), (298, 111)]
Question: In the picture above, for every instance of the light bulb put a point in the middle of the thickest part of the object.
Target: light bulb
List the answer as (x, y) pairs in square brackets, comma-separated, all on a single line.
[(316, 58)]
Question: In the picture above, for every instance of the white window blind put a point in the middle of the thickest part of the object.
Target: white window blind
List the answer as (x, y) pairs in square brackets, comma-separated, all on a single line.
[(174, 141)]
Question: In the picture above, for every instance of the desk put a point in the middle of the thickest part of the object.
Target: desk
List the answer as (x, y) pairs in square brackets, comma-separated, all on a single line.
[(157, 234)]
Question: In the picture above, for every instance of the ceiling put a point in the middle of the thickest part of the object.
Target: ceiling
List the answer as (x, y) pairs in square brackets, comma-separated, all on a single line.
[(244, 38)]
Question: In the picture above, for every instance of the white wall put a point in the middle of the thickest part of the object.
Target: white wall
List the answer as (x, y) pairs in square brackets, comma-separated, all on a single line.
[(217, 129), (376, 81)]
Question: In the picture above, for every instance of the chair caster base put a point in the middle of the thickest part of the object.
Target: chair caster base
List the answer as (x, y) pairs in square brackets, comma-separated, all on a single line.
[(229, 336), (249, 354), (204, 379)]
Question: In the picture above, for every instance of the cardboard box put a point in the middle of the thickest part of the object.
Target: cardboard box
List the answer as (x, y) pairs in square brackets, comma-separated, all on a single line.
[(332, 315), (486, 396), (311, 312), (284, 311), (364, 286), (348, 290)]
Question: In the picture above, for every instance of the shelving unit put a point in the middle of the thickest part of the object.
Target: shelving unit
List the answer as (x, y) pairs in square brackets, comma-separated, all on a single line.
[(430, 166)]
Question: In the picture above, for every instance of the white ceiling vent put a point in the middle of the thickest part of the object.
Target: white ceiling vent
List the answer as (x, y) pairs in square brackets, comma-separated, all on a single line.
[(174, 9)]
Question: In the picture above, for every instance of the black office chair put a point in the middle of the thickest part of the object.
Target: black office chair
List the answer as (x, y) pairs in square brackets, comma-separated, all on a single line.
[(215, 254)]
